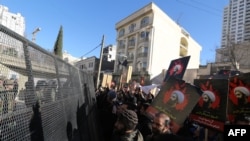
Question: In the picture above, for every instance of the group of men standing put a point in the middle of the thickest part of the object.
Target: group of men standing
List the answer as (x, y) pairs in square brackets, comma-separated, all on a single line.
[(123, 116)]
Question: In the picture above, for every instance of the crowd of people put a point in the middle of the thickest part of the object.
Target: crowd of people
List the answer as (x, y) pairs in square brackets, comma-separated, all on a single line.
[(123, 117)]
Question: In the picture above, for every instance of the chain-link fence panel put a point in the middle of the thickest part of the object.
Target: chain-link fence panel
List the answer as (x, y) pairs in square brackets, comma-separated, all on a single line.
[(41, 96), (14, 114)]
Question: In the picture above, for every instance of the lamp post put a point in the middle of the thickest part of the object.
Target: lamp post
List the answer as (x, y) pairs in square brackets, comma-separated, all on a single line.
[(34, 33)]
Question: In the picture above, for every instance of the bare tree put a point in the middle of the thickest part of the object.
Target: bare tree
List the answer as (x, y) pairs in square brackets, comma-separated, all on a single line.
[(237, 54)]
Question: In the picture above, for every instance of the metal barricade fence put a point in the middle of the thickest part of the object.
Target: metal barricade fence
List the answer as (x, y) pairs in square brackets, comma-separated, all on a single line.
[(41, 96)]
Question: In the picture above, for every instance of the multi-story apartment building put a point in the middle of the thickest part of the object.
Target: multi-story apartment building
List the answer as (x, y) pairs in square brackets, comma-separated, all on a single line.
[(149, 40), (235, 34), (13, 21), (109, 53), (10, 46)]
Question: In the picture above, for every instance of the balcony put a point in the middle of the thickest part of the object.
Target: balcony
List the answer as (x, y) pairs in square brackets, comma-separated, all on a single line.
[(183, 50), (130, 58), (131, 46), (140, 71), (122, 46), (142, 55), (143, 40)]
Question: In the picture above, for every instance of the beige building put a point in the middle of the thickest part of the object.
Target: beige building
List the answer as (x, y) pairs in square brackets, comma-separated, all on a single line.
[(149, 40)]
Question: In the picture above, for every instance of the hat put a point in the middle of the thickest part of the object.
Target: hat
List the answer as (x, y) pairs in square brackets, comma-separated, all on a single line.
[(179, 94), (8, 82), (210, 95), (130, 116), (112, 94), (244, 90)]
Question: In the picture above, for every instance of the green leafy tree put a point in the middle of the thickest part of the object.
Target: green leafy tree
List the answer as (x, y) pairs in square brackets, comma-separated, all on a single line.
[(58, 47)]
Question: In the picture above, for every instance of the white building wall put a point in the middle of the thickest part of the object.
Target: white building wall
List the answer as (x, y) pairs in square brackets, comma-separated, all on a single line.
[(69, 58), (164, 39), (111, 52), (87, 64), (13, 21)]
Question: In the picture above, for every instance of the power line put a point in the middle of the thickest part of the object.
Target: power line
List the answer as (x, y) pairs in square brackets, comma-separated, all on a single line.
[(91, 50), (206, 5), (201, 9)]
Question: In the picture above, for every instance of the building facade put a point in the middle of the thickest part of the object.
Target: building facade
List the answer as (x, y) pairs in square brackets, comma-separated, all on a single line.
[(69, 58), (9, 46), (91, 65), (109, 53), (149, 40), (13, 21), (235, 37)]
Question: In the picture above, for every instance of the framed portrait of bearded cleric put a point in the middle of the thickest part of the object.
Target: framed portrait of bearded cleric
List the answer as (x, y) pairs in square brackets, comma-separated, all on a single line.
[(177, 68), (239, 96), (176, 99), (210, 111)]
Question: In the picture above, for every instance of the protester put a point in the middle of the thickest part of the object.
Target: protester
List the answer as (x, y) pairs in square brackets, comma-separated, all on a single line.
[(107, 115), (145, 120), (189, 130), (125, 127), (161, 129)]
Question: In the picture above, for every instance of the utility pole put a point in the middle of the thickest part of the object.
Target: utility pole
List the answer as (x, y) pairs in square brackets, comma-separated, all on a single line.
[(100, 63)]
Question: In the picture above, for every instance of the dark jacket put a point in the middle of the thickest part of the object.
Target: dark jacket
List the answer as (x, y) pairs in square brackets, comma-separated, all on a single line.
[(165, 137), (133, 136), (144, 125)]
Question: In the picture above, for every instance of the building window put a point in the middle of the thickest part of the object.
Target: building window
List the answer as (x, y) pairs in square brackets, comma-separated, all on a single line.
[(144, 21), (130, 56), (132, 27), (121, 43), (121, 32), (83, 66), (145, 50), (131, 41), (91, 65), (144, 34)]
